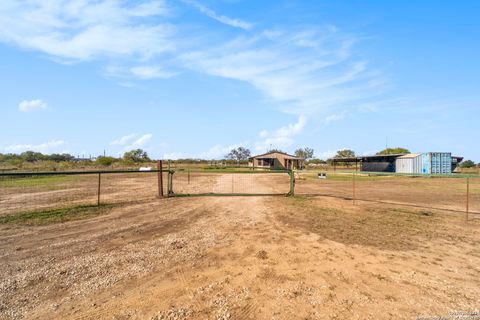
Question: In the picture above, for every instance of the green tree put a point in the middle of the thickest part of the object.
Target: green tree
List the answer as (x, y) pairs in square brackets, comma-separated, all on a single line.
[(275, 150), (397, 150), (59, 157), (316, 161), (346, 153), (304, 153), (106, 161), (137, 155), (467, 164), (31, 156), (239, 154)]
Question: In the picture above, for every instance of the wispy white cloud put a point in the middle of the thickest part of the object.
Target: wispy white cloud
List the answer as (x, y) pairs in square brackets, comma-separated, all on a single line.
[(123, 140), (281, 138), (233, 22), (46, 147), (150, 72), (324, 155), (140, 142), (330, 153), (32, 105), (215, 152), (307, 71), (220, 151), (84, 29), (335, 117), (175, 156), (134, 141), (144, 72)]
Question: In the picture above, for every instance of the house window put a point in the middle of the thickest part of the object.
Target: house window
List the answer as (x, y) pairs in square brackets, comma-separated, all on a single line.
[(266, 162)]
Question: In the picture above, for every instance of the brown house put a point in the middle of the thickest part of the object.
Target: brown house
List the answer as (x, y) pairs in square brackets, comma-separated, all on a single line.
[(276, 160)]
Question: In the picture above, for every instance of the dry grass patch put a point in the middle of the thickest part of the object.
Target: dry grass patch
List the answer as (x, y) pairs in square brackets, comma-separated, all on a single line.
[(387, 228)]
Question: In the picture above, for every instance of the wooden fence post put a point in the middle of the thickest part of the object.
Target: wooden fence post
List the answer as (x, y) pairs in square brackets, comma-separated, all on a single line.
[(160, 178)]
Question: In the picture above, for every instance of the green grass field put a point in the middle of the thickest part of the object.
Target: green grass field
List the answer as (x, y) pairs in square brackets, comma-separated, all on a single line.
[(42, 217), (31, 181)]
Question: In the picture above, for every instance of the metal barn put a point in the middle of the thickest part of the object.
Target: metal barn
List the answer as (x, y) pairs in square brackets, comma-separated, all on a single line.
[(379, 163)]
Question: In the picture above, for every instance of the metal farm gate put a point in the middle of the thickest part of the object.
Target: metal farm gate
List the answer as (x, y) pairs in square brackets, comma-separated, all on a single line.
[(230, 182)]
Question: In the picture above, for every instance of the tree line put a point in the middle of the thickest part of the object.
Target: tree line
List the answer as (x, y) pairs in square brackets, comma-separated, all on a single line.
[(32, 156), (239, 155), (129, 157)]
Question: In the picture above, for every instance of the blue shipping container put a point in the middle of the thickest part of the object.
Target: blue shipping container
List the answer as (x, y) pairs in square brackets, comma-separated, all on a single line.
[(437, 163)]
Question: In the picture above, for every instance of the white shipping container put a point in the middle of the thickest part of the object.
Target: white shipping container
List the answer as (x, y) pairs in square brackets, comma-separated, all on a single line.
[(410, 163)]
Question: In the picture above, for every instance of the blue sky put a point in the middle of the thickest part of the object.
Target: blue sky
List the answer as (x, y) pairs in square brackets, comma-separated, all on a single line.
[(195, 78)]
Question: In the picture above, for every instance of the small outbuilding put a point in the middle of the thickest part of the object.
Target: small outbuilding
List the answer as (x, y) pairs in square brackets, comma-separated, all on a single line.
[(276, 160)]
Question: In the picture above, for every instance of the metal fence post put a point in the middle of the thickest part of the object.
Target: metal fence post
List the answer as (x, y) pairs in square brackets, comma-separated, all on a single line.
[(354, 187), (160, 178), (99, 185), (468, 198), (188, 171)]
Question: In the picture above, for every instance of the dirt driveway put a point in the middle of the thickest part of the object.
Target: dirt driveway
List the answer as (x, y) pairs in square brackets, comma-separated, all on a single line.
[(242, 258)]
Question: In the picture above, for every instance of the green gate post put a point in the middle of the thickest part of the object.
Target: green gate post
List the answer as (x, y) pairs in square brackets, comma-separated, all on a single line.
[(291, 193), (170, 182)]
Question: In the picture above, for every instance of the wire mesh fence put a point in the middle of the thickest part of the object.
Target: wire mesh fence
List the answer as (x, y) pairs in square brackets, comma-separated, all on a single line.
[(474, 194), (333, 185), (26, 192), (194, 182), (445, 193)]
